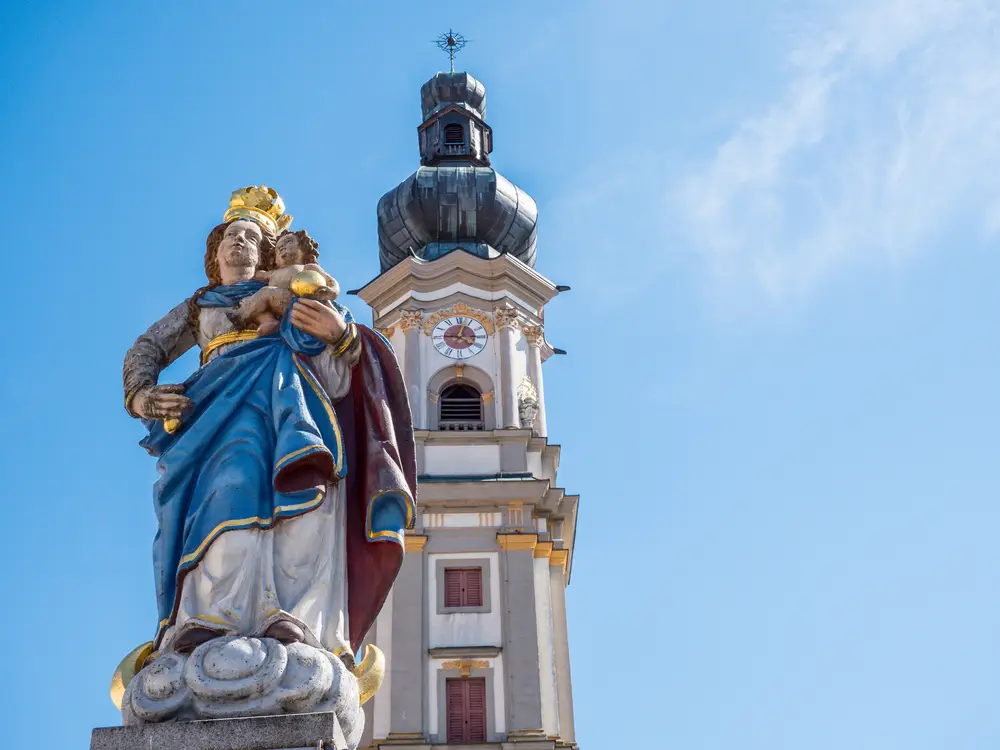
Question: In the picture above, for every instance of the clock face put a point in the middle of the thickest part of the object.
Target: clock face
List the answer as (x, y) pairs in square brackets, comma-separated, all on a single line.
[(459, 337)]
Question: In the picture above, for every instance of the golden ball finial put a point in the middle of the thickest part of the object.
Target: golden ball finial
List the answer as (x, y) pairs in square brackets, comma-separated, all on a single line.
[(307, 283)]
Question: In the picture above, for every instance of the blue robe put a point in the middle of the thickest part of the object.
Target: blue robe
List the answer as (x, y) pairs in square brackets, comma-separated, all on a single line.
[(261, 416)]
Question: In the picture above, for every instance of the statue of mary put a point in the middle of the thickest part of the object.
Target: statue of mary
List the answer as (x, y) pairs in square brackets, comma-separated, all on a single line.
[(287, 478)]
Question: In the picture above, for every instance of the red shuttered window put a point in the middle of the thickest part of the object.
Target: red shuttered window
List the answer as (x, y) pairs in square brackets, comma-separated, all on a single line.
[(466, 700), (463, 587)]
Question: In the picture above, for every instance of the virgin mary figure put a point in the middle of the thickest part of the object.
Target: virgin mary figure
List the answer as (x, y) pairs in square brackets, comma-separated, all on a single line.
[(287, 461)]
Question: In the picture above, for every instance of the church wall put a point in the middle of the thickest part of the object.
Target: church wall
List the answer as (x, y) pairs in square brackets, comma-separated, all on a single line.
[(468, 629), (462, 543), (535, 465), (461, 459), (445, 520)]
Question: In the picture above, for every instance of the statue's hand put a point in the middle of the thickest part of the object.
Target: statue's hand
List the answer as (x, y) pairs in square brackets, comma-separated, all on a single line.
[(269, 299), (161, 402), (322, 321)]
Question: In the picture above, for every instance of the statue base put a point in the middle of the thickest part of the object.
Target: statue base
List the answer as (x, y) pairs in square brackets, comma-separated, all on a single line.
[(236, 677), (313, 730)]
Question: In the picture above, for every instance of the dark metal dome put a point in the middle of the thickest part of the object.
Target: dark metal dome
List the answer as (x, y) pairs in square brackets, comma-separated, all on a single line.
[(440, 209), (453, 88), (455, 200)]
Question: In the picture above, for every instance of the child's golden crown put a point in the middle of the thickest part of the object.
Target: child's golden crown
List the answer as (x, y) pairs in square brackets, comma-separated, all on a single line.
[(261, 204)]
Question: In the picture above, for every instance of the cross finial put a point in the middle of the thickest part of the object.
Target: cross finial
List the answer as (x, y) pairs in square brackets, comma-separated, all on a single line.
[(452, 43)]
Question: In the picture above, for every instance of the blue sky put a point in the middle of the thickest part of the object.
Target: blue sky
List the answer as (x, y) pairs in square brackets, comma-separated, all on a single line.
[(781, 395)]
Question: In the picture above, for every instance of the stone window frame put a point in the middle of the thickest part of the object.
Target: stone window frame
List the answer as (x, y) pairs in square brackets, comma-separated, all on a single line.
[(466, 375), (483, 563), (442, 692)]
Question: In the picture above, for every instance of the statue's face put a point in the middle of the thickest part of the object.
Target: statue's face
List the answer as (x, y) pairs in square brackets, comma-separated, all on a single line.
[(287, 252), (240, 246)]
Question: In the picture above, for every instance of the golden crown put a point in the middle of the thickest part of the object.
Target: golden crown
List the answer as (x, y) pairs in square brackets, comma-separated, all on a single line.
[(261, 204)]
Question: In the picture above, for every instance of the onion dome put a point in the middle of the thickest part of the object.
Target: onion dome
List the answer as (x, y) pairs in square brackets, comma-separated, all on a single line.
[(453, 88), (455, 200)]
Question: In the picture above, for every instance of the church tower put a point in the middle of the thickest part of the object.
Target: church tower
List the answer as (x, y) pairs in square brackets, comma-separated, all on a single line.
[(474, 629)]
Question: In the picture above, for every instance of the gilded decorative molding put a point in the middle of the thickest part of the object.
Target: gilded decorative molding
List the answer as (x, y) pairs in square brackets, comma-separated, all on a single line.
[(410, 320), (505, 317), (543, 549), (559, 558), (517, 542), (534, 334), (459, 371), (465, 666), (488, 397), (387, 332), (414, 542), (459, 308)]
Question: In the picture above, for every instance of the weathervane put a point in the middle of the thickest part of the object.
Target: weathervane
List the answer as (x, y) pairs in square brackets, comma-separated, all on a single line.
[(451, 43)]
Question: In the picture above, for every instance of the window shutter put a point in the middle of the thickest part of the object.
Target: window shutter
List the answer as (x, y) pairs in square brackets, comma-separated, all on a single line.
[(473, 588), (476, 710), (453, 587), (455, 690), (454, 135), (463, 587), (460, 408), (466, 709)]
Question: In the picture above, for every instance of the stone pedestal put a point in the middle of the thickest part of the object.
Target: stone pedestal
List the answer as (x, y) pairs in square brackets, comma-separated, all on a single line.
[(317, 730), (239, 693)]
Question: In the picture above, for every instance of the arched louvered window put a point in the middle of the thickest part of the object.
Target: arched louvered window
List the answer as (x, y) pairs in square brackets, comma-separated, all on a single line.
[(454, 135), (460, 408)]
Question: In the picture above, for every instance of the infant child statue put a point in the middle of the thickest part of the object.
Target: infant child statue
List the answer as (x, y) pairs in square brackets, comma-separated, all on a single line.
[(296, 273)]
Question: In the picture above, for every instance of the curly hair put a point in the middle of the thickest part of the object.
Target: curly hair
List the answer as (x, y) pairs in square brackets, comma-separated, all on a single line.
[(266, 263), (307, 245)]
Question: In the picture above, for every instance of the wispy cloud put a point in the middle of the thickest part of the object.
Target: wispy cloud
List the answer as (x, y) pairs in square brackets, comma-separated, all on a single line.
[(886, 133)]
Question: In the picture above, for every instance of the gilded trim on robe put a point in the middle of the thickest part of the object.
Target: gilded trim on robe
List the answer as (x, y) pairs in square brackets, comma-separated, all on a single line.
[(246, 523), (226, 338), (324, 399), (388, 533), (295, 454)]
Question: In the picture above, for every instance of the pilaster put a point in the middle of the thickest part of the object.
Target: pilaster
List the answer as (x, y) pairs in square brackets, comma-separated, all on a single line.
[(535, 336), (409, 324), (406, 697), (564, 681), (506, 322), (524, 696), (546, 647)]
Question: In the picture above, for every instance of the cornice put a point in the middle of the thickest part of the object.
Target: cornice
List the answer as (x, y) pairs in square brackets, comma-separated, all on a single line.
[(414, 542), (503, 273), (559, 558), (467, 652), (517, 542), (543, 549), (530, 491)]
